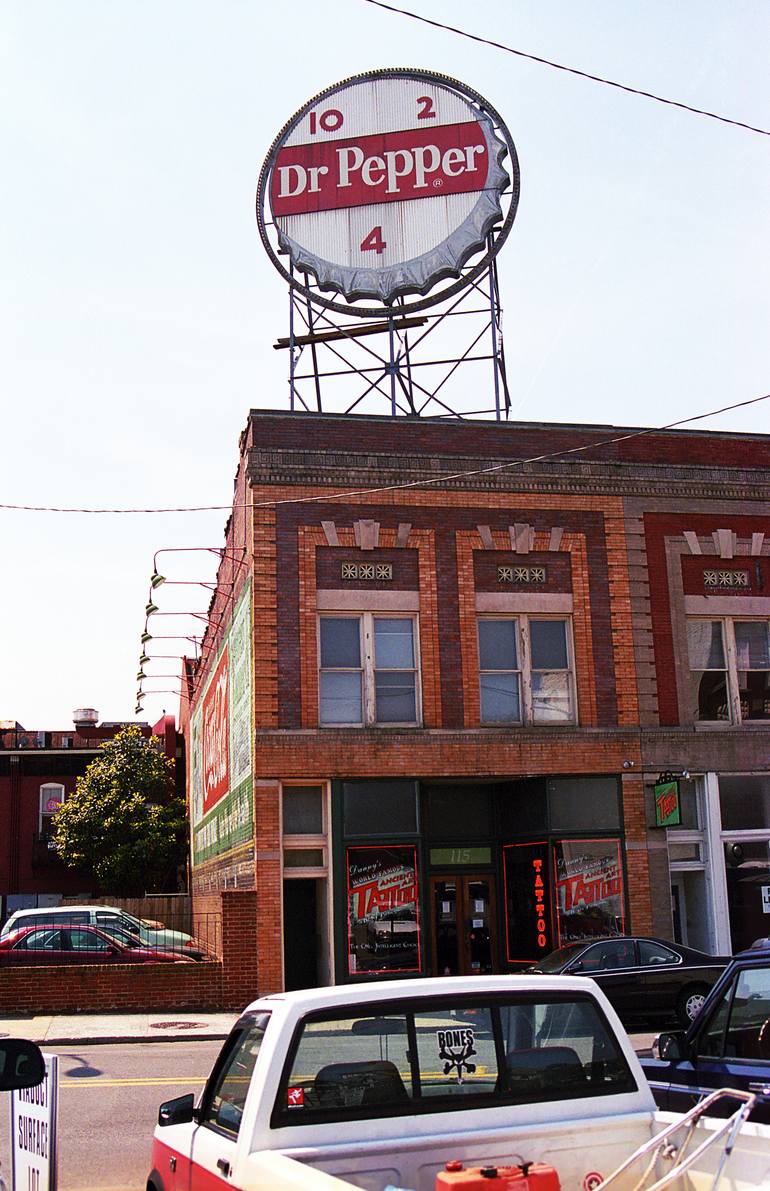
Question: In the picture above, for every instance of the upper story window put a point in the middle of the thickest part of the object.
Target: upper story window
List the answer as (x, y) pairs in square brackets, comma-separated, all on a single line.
[(525, 670), (368, 671), (51, 798), (729, 668)]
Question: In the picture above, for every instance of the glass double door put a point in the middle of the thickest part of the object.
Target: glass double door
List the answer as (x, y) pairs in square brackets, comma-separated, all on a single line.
[(463, 924)]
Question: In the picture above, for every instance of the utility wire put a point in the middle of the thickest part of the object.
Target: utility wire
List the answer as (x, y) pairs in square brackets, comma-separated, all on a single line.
[(583, 74), (423, 483)]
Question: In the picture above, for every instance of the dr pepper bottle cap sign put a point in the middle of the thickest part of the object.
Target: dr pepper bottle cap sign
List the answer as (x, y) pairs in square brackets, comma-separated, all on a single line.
[(387, 184)]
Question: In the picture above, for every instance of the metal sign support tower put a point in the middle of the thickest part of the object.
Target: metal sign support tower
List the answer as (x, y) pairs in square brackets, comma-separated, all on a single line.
[(340, 364)]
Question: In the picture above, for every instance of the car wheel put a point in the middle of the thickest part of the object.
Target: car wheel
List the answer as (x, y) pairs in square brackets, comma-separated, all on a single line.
[(690, 1003)]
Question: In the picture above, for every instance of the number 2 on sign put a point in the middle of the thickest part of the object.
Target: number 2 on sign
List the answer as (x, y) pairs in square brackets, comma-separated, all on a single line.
[(374, 242)]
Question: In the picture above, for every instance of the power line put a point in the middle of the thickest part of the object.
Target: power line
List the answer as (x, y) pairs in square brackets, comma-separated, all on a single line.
[(583, 74), (423, 483)]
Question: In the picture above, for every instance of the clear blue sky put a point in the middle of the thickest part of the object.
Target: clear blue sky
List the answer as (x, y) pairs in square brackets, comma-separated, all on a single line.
[(138, 309)]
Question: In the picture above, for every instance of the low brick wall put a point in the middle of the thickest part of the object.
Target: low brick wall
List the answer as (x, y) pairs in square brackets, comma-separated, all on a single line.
[(228, 983), (104, 988)]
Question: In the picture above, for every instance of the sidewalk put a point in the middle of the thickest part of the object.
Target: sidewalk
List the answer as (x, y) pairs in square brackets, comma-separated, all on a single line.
[(159, 1026), (84, 1028)]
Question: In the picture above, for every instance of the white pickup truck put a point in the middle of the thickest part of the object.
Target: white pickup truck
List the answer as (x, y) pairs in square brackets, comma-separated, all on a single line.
[(379, 1085)]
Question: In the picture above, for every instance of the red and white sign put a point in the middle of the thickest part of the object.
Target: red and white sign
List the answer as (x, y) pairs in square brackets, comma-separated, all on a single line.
[(387, 183), (216, 766)]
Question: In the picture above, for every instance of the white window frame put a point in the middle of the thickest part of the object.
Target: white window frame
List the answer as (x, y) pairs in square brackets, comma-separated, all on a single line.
[(522, 621), (45, 794), (315, 840), (367, 669), (731, 665)]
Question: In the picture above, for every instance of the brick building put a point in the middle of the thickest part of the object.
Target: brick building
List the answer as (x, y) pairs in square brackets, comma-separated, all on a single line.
[(38, 770), (430, 713)]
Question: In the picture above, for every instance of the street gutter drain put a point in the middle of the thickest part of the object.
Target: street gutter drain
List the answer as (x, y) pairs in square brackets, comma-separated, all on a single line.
[(177, 1025)]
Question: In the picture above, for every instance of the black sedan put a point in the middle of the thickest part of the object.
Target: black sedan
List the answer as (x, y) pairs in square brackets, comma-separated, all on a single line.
[(728, 1044), (644, 979)]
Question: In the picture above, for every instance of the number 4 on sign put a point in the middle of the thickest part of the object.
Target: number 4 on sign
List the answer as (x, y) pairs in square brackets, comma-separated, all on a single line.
[(374, 242)]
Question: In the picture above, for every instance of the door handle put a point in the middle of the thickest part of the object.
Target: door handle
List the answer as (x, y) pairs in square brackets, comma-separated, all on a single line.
[(224, 1166)]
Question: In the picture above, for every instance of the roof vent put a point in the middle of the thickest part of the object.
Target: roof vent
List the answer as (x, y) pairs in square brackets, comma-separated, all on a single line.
[(85, 717)]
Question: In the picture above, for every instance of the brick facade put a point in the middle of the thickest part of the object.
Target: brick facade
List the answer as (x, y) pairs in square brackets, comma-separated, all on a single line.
[(444, 506)]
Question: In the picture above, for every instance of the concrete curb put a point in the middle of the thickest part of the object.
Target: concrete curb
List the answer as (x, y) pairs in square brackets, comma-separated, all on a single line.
[(121, 1039)]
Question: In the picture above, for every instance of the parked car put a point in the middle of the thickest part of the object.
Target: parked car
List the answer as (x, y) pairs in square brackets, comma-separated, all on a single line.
[(108, 916), (645, 979), (728, 1044), (79, 944)]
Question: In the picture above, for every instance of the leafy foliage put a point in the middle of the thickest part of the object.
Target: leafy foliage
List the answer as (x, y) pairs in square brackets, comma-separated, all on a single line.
[(124, 824)]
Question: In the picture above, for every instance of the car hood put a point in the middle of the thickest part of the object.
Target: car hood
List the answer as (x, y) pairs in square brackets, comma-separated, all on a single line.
[(164, 938)]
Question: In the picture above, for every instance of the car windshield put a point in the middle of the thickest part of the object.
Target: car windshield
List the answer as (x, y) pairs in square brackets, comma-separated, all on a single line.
[(557, 959), (116, 932), (128, 922)]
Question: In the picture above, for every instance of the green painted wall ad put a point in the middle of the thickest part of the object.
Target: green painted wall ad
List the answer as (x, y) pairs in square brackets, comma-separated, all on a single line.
[(221, 746)]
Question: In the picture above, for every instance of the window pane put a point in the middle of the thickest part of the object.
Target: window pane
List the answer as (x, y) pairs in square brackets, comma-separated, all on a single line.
[(704, 643), (754, 690), (561, 1051), (710, 1041), (752, 644), (456, 1052), (393, 644), (746, 1033), (655, 953), (303, 858), (500, 702), (83, 940), (548, 639), (708, 695), (340, 698), (497, 645), (348, 1068), (395, 697), (41, 940), (745, 802), (551, 698), (583, 803), (225, 1098), (340, 641), (379, 808), (302, 810)]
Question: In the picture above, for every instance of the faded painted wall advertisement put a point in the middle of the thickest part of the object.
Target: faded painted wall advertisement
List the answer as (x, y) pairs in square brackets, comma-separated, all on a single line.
[(221, 736), (216, 767), (383, 914), (588, 876)]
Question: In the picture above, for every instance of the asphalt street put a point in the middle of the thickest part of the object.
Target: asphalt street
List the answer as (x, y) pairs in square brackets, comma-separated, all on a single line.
[(108, 1104)]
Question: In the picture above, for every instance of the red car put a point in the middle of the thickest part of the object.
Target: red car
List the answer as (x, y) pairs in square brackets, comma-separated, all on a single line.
[(74, 945)]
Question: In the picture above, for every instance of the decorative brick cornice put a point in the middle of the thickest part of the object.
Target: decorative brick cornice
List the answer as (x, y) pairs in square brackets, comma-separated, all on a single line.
[(348, 471)]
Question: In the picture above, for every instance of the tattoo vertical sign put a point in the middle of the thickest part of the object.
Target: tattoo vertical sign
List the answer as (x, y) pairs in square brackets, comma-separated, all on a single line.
[(527, 901)]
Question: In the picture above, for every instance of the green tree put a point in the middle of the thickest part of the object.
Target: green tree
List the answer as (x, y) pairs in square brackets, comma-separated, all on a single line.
[(124, 824)]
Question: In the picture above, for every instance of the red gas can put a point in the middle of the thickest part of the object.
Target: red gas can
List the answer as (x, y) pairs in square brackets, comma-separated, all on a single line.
[(529, 1176)]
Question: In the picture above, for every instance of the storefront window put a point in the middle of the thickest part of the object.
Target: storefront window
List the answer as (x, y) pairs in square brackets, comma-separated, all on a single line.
[(589, 889), (583, 803), (747, 867), (744, 801), (383, 910), (379, 808)]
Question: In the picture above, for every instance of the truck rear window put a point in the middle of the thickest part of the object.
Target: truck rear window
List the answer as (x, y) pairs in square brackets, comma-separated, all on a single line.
[(442, 1055)]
